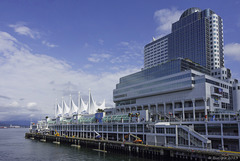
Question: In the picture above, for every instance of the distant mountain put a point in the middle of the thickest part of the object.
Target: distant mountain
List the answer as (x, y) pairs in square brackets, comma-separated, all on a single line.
[(22, 123)]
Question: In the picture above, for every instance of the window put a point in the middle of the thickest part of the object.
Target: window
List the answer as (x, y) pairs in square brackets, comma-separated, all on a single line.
[(170, 130), (160, 130), (225, 95)]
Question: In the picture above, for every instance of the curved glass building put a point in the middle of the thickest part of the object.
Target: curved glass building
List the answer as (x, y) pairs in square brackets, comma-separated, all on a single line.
[(197, 35)]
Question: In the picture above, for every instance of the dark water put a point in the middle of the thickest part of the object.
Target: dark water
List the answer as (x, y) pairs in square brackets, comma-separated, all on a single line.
[(13, 146)]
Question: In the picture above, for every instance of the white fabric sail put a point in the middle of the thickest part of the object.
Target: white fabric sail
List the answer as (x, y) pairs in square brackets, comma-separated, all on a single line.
[(90, 108), (73, 108), (93, 107), (90, 104), (81, 106), (66, 109), (58, 110), (103, 105)]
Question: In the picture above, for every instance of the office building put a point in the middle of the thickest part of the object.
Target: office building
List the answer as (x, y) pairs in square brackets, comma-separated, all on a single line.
[(197, 35)]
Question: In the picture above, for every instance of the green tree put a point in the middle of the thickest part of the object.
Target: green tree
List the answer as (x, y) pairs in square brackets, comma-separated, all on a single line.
[(100, 110)]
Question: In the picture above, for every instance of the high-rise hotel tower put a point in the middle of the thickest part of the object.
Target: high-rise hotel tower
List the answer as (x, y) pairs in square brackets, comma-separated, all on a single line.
[(197, 35)]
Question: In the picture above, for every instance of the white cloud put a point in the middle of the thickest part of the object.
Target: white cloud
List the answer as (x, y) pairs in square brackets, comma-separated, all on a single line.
[(88, 66), (165, 18), (120, 59), (96, 58), (124, 52), (233, 50), (31, 104), (49, 44), (101, 42), (130, 52), (24, 30), (86, 45), (124, 43), (33, 81), (14, 104)]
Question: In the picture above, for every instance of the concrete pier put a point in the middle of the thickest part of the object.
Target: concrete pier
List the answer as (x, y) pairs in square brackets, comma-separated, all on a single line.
[(140, 150)]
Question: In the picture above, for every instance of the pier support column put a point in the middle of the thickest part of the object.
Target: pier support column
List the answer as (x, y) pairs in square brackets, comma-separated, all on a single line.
[(143, 133), (72, 130), (183, 112), (189, 142), (155, 137), (238, 136), (165, 138), (155, 140), (173, 109), (90, 131), (206, 128), (157, 116), (194, 113), (222, 141), (164, 110), (176, 137), (205, 111), (117, 133)]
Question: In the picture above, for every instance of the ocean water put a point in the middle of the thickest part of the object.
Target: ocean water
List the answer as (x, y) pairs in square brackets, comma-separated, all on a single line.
[(13, 146)]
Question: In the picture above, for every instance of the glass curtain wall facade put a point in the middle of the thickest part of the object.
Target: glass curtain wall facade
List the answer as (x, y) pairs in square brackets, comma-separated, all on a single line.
[(198, 36)]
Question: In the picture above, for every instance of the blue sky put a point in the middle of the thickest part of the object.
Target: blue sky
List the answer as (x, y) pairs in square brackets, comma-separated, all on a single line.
[(50, 49)]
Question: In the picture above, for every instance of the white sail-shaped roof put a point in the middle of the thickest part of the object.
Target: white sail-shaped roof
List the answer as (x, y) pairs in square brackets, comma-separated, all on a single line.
[(90, 108), (73, 108), (93, 107), (81, 105), (66, 109), (58, 110), (103, 105)]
